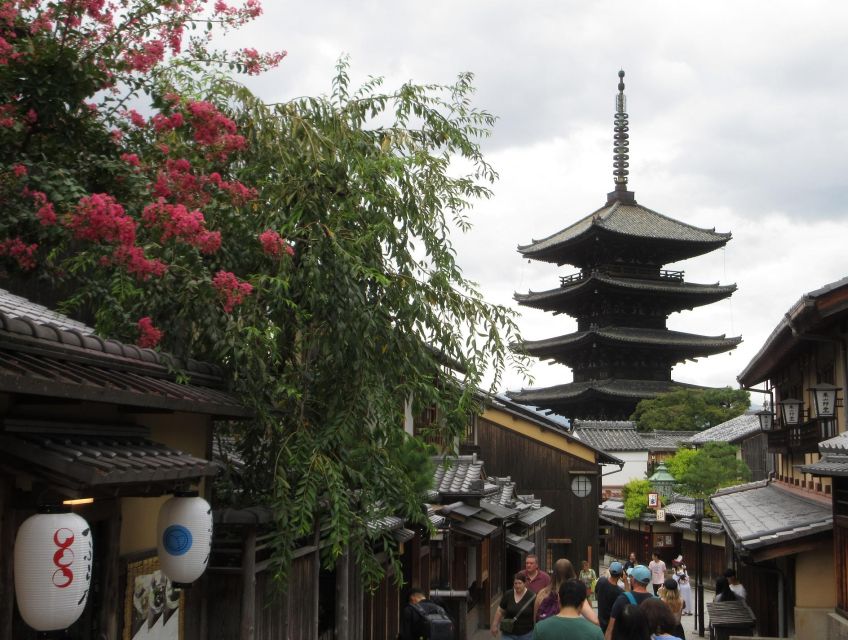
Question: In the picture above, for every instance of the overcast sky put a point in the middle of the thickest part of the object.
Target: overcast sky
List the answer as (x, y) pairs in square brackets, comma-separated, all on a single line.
[(737, 122)]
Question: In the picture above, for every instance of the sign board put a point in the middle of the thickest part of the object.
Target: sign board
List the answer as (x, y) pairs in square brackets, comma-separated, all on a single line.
[(660, 515), (653, 500)]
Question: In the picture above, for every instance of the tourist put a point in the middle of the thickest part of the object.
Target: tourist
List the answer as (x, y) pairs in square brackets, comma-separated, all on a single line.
[(547, 600), (588, 577), (660, 619), (569, 622), (670, 594), (413, 621), (536, 578), (640, 576), (607, 590), (681, 575), (514, 617), (632, 625), (631, 561), (735, 585), (723, 592), (657, 568)]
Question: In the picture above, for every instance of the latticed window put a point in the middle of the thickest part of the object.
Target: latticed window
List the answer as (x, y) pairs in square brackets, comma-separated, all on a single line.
[(581, 486)]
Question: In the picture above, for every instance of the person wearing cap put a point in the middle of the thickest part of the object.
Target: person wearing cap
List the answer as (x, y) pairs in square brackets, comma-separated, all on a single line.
[(607, 590), (640, 577), (670, 594)]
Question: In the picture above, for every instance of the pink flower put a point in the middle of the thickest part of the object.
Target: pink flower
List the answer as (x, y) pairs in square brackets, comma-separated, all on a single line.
[(46, 215), (99, 218), (273, 244), (148, 335), (132, 258), (137, 119), (21, 252), (231, 290), (19, 170), (131, 159)]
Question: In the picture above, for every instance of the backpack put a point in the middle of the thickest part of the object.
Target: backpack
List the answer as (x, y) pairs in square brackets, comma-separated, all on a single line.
[(439, 625)]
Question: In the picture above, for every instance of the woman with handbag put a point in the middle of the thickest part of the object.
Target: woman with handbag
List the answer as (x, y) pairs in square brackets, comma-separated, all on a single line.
[(514, 617)]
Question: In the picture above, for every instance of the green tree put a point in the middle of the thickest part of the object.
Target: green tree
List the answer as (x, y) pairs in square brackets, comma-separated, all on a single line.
[(635, 495), (680, 462), (710, 468), (690, 409)]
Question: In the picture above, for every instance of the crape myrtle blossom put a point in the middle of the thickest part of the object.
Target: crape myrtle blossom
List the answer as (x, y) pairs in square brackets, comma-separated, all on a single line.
[(148, 335), (274, 245), (231, 290)]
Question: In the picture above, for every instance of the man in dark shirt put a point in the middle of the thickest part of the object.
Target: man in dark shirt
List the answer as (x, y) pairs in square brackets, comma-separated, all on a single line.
[(640, 576), (413, 624), (607, 591), (631, 561)]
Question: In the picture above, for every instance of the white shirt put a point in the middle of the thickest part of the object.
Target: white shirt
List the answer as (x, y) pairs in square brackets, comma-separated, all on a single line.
[(657, 571), (739, 590)]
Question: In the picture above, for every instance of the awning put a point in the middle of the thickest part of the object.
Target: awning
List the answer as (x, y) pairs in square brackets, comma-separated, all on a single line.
[(474, 528), (494, 510), (111, 458), (461, 509), (517, 542), (533, 516)]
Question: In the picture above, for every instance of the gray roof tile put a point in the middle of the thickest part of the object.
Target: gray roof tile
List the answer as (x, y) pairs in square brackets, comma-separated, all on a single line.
[(733, 430), (613, 435), (665, 440), (832, 464), (612, 387), (632, 336), (17, 307), (760, 514)]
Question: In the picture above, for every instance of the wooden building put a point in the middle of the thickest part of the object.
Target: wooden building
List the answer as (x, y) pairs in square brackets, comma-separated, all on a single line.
[(745, 433), (92, 419), (621, 297)]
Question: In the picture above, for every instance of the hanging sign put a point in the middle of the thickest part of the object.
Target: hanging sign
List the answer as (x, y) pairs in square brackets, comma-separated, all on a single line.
[(653, 500), (660, 515)]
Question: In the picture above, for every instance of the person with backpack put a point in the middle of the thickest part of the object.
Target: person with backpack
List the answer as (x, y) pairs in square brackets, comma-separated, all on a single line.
[(640, 576), (424, 620), (514, 617)]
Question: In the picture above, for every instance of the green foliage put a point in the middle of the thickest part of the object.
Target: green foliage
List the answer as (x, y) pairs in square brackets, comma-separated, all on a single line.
[(712, 467), (690, 409), (680, 462), (635, 495)]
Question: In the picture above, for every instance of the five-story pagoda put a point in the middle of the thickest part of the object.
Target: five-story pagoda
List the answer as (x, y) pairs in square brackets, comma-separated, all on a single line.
[(621, 297)]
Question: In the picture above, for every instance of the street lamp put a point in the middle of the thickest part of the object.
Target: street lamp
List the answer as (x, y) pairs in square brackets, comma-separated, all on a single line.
[(766, 419), (825, 395), (699, 541), (790, 411)]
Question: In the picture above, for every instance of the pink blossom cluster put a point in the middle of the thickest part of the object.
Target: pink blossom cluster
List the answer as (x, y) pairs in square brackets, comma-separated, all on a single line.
[(236, 16), (148, 335), (45, 213), (212, 128), (255, 63), (176, 221), (273, 244), (231, 290), (239, 193), (20, 251)]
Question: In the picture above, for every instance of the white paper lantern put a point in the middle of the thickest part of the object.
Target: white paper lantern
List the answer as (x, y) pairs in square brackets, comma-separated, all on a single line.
[(53, 558), (184, 537)]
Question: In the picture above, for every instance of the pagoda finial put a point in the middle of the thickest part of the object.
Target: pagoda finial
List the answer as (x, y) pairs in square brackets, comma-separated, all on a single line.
[(621, 159)]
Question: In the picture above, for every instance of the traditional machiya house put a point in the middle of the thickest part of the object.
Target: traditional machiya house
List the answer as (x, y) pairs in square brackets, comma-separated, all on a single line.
[(745, 433), (641, 452), (107, 426), (545, 459), (484, 526), (621, 296), (786, 530)]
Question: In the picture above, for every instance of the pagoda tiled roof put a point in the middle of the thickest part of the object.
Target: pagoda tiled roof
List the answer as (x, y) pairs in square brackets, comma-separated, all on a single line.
[(625, 219), (609, 388), (687, 293), (634, 336)]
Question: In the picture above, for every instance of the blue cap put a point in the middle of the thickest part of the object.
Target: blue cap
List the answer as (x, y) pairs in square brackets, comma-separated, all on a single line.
[(616, 568), (641, 574)]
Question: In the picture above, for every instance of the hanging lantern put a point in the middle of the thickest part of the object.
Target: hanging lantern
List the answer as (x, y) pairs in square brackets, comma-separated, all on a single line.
[(790, 411), (53, 558), (184, 534), (825, 395)]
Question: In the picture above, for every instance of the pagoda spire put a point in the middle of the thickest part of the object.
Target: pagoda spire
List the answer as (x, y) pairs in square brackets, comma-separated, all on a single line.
[(621, 144)]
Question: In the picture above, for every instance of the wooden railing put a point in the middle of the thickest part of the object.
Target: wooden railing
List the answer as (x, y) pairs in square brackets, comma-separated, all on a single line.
[(802, 438), (624, 271)]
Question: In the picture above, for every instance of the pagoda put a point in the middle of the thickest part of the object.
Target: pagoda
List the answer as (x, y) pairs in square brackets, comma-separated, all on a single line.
[(621, 297)]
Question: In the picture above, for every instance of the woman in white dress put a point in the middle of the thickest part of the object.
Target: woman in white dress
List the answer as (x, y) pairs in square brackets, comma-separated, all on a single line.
[(681, 576)]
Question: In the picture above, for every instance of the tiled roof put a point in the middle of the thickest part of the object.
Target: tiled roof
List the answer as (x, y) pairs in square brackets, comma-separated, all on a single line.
[(831, 464), (629, 220), (461, 476), (47, 360), (664, 287), (761, 514), (838, 444), (690, 524), (613, 435), (17, 307), (681, 507), (95, 456), (611, 387), (658, 338), (733, 430), (661, 440)]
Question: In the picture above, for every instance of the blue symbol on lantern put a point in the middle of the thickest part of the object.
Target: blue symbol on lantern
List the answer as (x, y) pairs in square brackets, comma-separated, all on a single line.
[(176, 539)]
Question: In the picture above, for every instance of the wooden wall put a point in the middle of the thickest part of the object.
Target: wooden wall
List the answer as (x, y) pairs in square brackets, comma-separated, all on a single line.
[(542, 470), (756, 456)]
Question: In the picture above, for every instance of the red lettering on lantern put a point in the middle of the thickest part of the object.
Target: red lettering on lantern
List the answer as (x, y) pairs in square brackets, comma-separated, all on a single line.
[(63, 558)]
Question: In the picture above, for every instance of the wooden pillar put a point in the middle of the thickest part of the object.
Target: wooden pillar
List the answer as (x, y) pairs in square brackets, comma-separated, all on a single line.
[(343, 630), (248, 592), (7, 543), (113, 605)]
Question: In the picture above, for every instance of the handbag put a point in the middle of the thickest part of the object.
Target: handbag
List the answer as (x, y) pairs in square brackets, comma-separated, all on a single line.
[(508, 624)]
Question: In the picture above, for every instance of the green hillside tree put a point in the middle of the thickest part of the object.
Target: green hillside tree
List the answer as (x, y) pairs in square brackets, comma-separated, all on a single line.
[(690, 409), (702, 472)]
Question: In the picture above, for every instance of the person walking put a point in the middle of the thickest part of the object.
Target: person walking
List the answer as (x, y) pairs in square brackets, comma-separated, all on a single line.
[(681, 575), (413, 623), (588, 577), (631, 625), (547, 600), (660, 619), (536, 578), (569, 622), (631, 561), (607, 590), (658, 569), (514, 617), (640, 577), (670, 594), (735, 586), (723, 592)]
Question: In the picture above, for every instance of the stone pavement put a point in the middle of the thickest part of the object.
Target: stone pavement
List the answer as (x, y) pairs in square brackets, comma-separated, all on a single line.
[(689, 626)]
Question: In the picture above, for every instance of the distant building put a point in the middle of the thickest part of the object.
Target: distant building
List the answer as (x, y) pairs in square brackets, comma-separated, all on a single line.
[(743, 431), (621, 296)]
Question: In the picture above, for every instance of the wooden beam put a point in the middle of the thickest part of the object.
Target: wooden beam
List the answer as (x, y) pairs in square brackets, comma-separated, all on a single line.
[(248, 593), (7, 541), (343, 630)]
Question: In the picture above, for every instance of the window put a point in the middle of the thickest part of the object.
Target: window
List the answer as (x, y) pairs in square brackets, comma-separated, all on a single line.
[(581, 486)]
